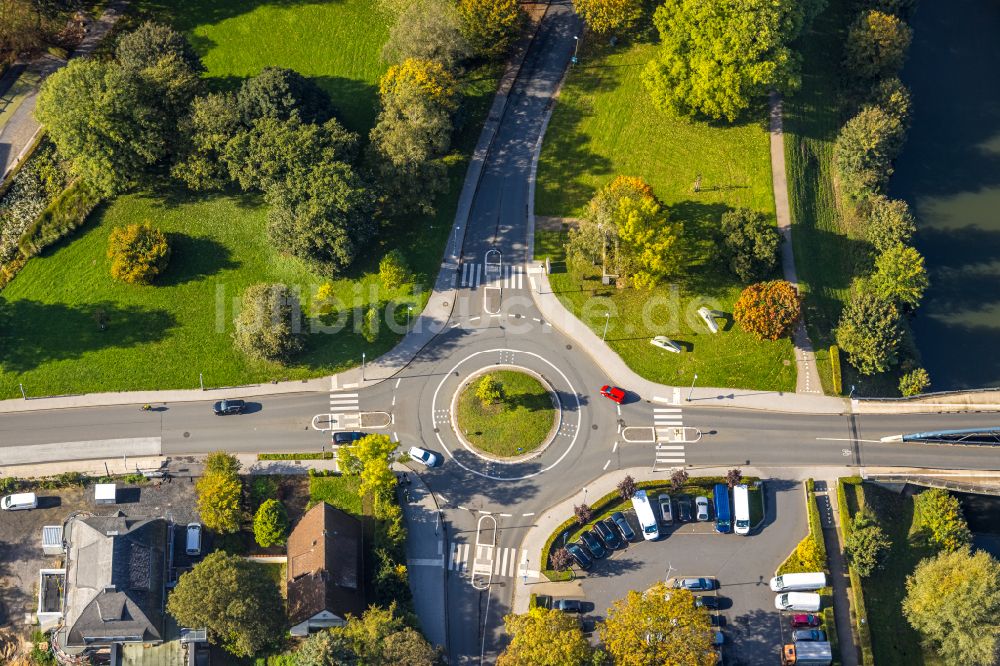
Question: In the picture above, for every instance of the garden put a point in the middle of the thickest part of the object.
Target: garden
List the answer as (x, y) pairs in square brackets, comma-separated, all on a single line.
[(506, 413)]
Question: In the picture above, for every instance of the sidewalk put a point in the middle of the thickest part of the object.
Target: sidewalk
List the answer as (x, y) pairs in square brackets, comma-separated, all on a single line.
[(840, 581)]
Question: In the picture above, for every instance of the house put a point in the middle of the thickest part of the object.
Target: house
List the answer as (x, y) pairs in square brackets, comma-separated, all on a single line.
[(325, 576), (114, 590)]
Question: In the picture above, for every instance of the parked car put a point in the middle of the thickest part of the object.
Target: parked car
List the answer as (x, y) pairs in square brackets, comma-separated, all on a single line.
[(665, 511), (808, 635), (580, 555), (715, 619), (424, 456), (227, 407), (567, 605), (708, 601), (804, 620), (701, 505), (684, 509), (347, 437), (19, 502), (613, 393), (618, 518), (193, 541), (543, 601), (798, 601), (696, 584), (609, 534), (593, 544)]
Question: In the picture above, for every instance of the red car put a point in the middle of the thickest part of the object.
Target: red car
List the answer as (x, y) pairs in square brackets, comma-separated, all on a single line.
[(805, 621), (613, 393)]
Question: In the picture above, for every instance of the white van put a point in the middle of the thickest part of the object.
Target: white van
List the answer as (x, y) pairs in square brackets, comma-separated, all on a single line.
[(193, 539), (797, 582), (798, 601), (19, 502), (644, 512), (741, 510)]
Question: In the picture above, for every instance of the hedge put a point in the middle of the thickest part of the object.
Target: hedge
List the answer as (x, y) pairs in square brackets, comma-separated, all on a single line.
[(793, 563), (66, 212), (328, 455), (857, 592), (837, 376)]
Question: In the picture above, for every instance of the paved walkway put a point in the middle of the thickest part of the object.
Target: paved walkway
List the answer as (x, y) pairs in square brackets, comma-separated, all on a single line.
[(826, 501), (807, 378), (19, 132)]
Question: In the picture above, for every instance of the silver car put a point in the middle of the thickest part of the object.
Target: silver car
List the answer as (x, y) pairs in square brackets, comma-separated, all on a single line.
[(424, 456), (665, 511), (701, 508)]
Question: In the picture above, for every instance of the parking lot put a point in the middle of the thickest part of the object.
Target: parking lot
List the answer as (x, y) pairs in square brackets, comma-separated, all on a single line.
[(742, 565)]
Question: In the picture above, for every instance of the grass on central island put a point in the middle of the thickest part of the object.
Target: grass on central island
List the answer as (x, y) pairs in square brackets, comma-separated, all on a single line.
[(517, 425), (604, 125)]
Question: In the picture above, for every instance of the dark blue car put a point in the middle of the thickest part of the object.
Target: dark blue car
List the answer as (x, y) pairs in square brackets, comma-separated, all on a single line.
[(609, 534), (618, 518), (593, 544), (579, 555)]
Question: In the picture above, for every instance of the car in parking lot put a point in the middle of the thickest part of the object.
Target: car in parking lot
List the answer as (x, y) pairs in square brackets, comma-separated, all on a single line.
[(424, 456), (567, 605), (701, 504), (346, 437), (708, 601), (227, 407), (613, 393), (695, 584), (593, 544), (580, 555), (804, 620), (618, 518), (609, 534), (665, 511), (808, 635), (684, 509), (543, 601)]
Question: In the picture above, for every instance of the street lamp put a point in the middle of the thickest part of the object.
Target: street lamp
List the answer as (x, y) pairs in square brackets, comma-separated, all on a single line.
[(691, 392), (585, 494), (363, 367), (409, 309), (576, 48), (607, 319)]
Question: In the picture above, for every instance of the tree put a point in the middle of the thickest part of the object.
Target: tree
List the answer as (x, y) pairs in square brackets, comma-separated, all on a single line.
[(867, 544), (219, 501), (268, 326), (914, 382), (490, 26), (212, 123), (427, 30), (941, 514), (393, 271), (658, 626), (890, 222), (877, 44), (864, 151), (678, 479), (325, 648), (150, 43), (768, 310), (222, 462), (138, 253), (234, 599), (892, 97), (583, 513), (270, 524), (953, 600), (489, 390), (809, 556), (900, 276), (379, 636), (280, 94), (560, 559), (734, 477), (609, 16), (543, 637), (627, 487), (369, 459), (869, 332), (717, 58), (750, 243)]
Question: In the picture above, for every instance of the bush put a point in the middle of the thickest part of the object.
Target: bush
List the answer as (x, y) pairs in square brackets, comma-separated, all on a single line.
[(269, 324), (768, 310), (138, 253), (678, 479), (39, 180), (393, 271), (877, 45), (560, 560), (867, 545), (66, 212), (627, 487), (835, 372), (583, 513), (890, 222), (262, 488), (941, 514), (734, 477), (864, 151), (750, 243), (369, 324), (270, 524), (914, 382), (489, 390), (869, 331)]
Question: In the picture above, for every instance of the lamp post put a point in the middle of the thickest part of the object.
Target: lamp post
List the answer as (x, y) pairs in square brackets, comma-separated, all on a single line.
[(409, 310), (363, 367), (691, 392), (585, 494), (607, 320), (576, 48)]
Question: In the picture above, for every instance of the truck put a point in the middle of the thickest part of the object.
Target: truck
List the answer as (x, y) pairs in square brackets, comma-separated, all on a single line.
[(813, 653)]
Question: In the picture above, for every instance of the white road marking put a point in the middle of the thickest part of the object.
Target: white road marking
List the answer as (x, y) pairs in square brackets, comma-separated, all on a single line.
[(537, 319), (505, 515), (442, 498), (395, 437), (397, 382), (606, 464), (615, 447), (619, 410), (427, 562), (474, 319), (485, 513), (669, 447), (657, 398), (456, 324), (848, 439)]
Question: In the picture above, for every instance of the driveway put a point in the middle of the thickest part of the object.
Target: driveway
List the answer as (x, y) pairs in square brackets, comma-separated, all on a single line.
[(742, 565)]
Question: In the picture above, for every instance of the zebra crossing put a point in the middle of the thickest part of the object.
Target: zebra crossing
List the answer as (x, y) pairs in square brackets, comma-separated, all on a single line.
[(666, 420), (499, 561), (345, 410), (473, 274)]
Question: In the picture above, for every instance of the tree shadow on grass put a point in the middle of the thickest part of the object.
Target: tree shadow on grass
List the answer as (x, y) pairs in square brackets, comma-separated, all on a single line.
[(194, 258), (34, 333)]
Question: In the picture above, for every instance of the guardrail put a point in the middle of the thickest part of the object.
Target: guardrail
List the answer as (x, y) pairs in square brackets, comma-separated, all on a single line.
[(936, 482)]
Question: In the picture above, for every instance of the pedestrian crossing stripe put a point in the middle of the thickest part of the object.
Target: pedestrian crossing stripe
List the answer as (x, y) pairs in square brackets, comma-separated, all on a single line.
[(511, 277), (498, 561)]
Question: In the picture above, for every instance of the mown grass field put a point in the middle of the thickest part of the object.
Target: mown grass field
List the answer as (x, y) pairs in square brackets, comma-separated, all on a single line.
[(604, 125), (163, 336), (518, 425), (338, 491)]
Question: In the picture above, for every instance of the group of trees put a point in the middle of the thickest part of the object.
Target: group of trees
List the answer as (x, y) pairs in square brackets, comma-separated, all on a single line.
[(379, 636), (29, 25), (873, 324)]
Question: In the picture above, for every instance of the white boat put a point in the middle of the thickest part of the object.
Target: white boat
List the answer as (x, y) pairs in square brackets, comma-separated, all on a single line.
[(663, 342), (709, 317)]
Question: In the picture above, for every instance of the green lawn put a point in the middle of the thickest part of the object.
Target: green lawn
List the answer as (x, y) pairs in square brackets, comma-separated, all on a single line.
[(338, 491), (603, 126), (518, 425), (163, 336)]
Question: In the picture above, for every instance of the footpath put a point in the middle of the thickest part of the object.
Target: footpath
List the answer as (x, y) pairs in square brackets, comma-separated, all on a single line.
[(829, 515)]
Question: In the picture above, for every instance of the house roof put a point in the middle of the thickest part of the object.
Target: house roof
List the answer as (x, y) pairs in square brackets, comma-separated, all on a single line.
[(115, 580), (324, 565)]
